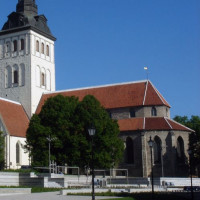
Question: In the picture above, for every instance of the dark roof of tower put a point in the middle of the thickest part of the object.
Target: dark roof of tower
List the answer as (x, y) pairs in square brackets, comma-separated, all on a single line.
[(26, 17)]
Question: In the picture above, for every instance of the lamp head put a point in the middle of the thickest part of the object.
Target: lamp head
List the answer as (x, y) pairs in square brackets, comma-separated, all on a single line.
[(91, 131), (150, 142)]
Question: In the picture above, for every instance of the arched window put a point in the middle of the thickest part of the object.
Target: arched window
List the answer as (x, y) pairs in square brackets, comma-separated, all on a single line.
[(15, 77), (18, 153), (37, 46), (47, 50), (15, 45), (129, 151), (42, 48), (180, 149), (22, 74), (157, 148), (153, 111), (43, 79), (7, 47), (22, 44), (8, 77)]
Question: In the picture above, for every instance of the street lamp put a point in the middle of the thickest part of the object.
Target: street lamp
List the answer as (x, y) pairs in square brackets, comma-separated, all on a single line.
[(50, 139), (150, 143), (92, 132), (190, 163)]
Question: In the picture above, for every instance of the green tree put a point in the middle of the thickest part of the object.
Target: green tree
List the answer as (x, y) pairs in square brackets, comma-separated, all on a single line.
[(194, 124), (67, 120), (2, 151)]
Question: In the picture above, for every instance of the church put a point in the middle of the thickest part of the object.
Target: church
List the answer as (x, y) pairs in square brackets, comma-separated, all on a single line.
[(27, 70)]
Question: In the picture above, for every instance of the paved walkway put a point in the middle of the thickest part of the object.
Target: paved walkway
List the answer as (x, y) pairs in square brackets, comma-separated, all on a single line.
[(45, 196)]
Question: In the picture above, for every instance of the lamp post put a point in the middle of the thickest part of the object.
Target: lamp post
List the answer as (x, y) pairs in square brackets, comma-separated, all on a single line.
[(50, 139), (150, 143), (190, 163), (92, 132)]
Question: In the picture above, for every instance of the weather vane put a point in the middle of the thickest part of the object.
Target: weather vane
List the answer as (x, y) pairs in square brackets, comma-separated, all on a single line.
[(147, 72)]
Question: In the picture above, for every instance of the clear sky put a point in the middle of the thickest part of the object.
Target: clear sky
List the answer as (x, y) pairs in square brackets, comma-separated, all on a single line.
[(111, 41)]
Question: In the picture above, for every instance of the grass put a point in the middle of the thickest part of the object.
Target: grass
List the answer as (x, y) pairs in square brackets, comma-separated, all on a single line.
[(40, 189)]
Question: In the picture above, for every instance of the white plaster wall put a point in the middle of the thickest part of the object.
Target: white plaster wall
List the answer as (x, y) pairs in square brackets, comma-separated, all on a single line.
[(24, 156), (46, 64)]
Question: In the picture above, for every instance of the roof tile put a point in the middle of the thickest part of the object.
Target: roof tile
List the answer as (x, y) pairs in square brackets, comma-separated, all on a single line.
[(14, 117)]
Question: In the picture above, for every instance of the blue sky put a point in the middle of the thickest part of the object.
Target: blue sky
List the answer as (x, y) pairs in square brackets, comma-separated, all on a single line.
[(111, 41)]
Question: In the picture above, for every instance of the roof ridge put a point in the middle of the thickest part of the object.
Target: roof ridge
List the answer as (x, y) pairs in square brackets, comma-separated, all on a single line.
[(10, 101), (160, 95), (94, 87), (168, 122), (145, 93), (144, 123)]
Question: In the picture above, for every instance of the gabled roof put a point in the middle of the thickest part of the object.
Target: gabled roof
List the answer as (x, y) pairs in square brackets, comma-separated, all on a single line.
[(151, 123), (13, 117), (130, 94)]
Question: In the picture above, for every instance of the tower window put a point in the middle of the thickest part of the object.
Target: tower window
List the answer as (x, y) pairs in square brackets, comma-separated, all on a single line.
[(15, 76), (22, 44), (43, 79), (153, 111), (132, 113), (15, 45), (47, 50), (7, 47), (37, 46), (42, 48)]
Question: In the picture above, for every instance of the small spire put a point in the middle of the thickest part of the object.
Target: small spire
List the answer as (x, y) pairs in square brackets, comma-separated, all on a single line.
[(28, 7)]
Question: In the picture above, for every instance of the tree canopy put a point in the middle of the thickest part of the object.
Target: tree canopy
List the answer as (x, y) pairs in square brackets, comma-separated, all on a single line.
[(194, 124), (66, 121)]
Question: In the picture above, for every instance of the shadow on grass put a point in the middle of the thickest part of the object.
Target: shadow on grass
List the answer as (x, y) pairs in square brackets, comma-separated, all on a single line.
[(148, 196)]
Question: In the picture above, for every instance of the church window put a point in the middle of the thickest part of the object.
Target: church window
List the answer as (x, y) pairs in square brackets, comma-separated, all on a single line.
[(15, 45), (47, 50), (153, 111), (180, 150), (37, 46), (43, 79), (157, 148), (22, 74), (7, 47), (129, 151), (132, 113), (42, 48), (17, 153), (8, 77), (22, 44), (15, 76)]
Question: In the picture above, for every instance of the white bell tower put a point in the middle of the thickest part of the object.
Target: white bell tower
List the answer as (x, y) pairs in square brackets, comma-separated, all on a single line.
[(27, 63)]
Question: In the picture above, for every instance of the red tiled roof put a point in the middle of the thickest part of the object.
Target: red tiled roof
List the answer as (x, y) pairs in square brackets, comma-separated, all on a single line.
[(116, 96), (14, 118), (150, 123)]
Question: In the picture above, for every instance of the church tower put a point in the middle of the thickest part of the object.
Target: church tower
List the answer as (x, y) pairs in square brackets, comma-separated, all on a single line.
[(27, 63)]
